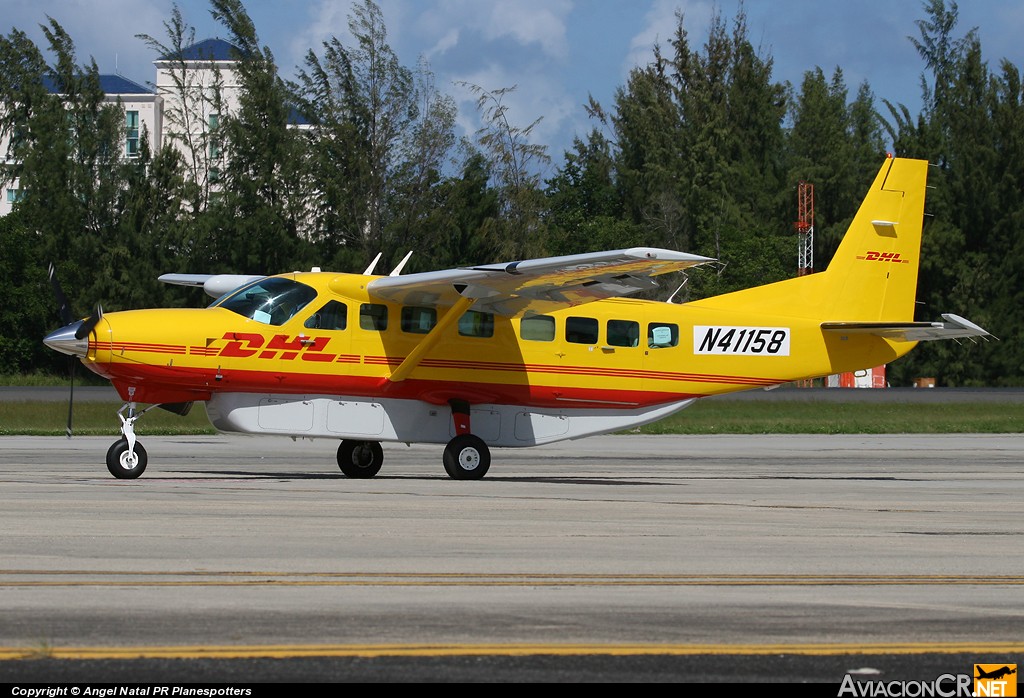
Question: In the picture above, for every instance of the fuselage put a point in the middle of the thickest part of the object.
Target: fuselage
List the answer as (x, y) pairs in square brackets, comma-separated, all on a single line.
[(619, 353)]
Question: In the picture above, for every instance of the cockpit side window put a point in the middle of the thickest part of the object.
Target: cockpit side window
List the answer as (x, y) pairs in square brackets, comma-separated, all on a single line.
[(373, 316), (272, 301), (333, 316)]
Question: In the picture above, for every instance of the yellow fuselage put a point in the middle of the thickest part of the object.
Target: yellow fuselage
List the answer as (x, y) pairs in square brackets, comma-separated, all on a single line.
[(618, 352)]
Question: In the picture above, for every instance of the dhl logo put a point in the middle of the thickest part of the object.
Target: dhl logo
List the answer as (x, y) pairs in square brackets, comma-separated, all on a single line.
[(281, 346), (893, 257)]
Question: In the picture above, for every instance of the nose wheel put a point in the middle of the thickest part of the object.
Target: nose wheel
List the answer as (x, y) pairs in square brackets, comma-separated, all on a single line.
[(125, 463), (126, 458)]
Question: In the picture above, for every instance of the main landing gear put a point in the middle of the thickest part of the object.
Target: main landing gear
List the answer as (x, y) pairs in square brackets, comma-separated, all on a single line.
[(360, 459), (466, 457)]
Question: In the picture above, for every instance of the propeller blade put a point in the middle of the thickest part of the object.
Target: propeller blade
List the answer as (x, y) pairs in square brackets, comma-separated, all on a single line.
[(71, 396), (90, 323), (63, 307)]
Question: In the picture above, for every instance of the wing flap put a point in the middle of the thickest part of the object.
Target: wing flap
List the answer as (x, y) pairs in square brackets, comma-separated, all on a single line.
[(538, 285), (952, 327)]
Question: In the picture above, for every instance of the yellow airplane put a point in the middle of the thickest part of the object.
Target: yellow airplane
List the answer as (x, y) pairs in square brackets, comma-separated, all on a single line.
[(507, 355)]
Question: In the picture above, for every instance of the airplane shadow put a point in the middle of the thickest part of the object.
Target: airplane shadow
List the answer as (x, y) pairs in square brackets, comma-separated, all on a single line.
[(555, 480)]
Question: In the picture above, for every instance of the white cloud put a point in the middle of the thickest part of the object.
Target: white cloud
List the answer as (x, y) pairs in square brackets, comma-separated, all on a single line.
[(660, 26), (444, 44), (526, 22)]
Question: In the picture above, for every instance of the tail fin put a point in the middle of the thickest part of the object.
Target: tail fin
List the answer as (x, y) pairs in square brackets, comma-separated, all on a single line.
[(872, 276)]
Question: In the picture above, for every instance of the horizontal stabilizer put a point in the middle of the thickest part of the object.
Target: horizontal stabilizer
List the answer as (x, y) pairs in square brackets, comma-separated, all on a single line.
[(215, 285), (953, 327)]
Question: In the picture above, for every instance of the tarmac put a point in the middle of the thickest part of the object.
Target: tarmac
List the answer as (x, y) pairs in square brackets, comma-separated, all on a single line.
[(618, 558)]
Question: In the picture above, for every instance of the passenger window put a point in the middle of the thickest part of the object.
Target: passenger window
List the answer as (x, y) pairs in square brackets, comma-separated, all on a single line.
[(333, 316), (623, 333), (581, 330), (418, 320), (537, 328), (373, 316), (476, 324), (662, 334)]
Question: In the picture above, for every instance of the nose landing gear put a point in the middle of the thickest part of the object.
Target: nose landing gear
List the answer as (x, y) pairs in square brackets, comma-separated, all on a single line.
[(126, 458)]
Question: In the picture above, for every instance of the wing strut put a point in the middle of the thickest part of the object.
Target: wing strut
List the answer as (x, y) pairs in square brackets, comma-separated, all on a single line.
[(416, 355)]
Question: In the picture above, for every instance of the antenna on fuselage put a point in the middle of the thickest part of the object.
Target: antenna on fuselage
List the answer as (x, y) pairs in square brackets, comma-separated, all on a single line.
[(369, 269), (401, 265)]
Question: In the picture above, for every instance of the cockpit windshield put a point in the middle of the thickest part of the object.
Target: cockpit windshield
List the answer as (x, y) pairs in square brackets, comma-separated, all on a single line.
[(272, 301)]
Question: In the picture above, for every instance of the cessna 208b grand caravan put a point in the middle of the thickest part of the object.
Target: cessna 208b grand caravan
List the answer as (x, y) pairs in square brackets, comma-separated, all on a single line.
[(515, 354)]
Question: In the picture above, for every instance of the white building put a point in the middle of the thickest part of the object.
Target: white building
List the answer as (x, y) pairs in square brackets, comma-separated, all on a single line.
[(193, 91)]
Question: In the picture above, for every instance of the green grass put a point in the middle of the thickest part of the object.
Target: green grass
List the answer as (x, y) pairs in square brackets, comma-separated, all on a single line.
[(49, 380), (721, 416), (716, 416), (94, 419)]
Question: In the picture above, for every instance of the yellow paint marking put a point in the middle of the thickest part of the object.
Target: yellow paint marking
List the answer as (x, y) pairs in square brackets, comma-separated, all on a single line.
[(226, 578), (442, 650)]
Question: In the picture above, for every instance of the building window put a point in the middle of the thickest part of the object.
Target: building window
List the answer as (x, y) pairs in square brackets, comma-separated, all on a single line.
[(581, 330), (131, 144), (14, 195), (476, 324), (214, 128)]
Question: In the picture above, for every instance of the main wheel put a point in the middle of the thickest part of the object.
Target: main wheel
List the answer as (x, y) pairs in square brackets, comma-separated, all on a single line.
[(122, 464), (466, 457), (360, 459)]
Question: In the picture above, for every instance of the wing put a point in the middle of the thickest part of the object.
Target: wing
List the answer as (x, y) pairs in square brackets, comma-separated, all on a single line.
[(953, 328), (215, 285), (538, 285)]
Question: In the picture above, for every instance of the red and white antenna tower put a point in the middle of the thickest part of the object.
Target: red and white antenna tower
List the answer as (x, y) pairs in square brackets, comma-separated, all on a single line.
[(805, 228)]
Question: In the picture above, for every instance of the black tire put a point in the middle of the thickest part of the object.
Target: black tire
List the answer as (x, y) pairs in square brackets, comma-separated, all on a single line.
[(360, 459), (120, 466), (466, 457)]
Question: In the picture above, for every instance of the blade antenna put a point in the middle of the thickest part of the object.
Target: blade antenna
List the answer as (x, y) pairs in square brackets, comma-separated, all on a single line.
[(401, 265)]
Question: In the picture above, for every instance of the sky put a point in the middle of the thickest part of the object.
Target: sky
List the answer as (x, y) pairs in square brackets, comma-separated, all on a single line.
[(556, 53)]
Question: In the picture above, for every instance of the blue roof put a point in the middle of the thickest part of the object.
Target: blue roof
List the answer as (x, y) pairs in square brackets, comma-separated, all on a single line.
[(120, 85), (206, 50), (110, 84)]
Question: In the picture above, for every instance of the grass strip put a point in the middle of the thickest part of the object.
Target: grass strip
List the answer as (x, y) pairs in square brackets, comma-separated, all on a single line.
[(716, 416)]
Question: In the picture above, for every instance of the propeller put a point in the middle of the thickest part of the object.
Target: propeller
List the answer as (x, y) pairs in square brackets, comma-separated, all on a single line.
[(63, 307), (89, 324), (66, 318)]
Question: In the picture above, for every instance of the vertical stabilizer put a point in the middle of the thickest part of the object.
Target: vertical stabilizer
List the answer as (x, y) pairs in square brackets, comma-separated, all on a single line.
[(873, 274)]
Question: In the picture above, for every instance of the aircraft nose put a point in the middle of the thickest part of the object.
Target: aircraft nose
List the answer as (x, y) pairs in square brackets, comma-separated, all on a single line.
[(65, 341)]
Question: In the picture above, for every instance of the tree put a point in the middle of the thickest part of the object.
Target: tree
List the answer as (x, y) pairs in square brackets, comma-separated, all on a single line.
[(190, 106), (380, 138), (66, 156), (262, 203), (513, 160)]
